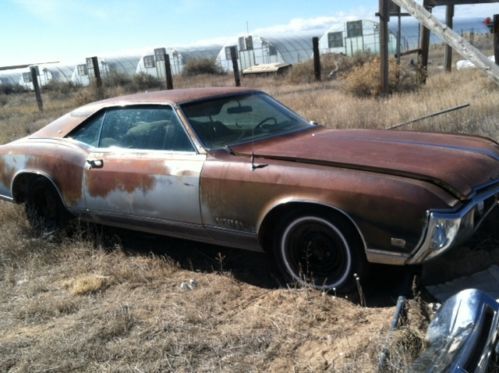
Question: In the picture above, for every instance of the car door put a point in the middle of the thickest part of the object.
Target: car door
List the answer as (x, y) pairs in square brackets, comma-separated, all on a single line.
[(143, 168)]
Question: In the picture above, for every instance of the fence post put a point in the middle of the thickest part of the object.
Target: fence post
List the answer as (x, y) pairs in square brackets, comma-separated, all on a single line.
[(317, 58), (36, 86), (168, 69), (235, 66), (496, 38), (384, 17), (425, 45), (97, 75), (93, 64), (162, 59), (449, 17)]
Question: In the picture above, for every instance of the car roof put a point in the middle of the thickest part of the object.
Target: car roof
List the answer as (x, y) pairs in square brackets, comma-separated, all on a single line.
[(62, 126), (174, 96)]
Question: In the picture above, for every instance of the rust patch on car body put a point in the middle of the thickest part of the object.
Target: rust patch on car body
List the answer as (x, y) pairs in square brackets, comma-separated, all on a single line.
[(381, 205), (124, 175), (66, 172), (454, 162), (61, 162)]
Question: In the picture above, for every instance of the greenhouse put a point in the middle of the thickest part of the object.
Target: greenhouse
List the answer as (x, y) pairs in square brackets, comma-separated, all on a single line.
[(353, 37), (178, 58), (47, 73), (122, 66), (11, 77), (257, 50)]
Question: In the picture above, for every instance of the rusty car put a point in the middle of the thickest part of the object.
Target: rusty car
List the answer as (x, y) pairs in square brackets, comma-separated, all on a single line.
[(235, 167)]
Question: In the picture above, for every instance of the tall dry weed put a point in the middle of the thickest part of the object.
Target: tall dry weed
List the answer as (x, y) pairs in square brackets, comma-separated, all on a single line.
[(364, 80)]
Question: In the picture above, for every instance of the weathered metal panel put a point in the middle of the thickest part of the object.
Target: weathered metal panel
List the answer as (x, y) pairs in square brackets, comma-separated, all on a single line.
[(62, 161), (234, 196), (154, 184), (457, 163)]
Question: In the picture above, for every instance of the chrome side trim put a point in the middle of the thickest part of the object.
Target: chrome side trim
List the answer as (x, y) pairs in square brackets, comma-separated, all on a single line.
[(188, 231), (6, 198)]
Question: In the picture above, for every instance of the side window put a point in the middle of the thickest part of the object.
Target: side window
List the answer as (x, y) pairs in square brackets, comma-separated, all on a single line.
[(153, 128), (88, 133)]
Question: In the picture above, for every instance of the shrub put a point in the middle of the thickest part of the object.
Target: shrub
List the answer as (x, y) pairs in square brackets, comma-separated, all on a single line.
[(117, 79), (333, 65), (364, 80), (8, 89), (60, 89), (143, 81), (198, 66)]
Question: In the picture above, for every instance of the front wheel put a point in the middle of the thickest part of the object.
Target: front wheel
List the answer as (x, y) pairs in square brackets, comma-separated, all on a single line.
[(323, 253)]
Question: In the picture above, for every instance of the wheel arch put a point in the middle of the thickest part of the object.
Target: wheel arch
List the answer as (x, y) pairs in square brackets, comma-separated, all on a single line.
[(21, 180), (285, 209)]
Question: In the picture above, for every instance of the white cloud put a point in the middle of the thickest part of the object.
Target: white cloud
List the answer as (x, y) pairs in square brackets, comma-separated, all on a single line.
[(470, 11), (315, 24)]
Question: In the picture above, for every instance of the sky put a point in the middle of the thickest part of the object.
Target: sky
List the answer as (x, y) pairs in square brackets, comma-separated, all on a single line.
[(34, 31)]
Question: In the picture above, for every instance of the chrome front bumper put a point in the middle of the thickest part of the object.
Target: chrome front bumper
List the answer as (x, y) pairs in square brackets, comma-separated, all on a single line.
[(463, 222)]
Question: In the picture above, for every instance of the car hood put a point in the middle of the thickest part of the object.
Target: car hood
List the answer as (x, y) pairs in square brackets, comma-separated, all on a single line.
[(457, 163)]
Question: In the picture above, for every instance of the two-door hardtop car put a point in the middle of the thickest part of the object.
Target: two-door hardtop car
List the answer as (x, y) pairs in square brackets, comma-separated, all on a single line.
[(237, 168)]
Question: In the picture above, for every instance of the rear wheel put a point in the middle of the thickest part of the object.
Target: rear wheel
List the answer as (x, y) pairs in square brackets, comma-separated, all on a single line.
[(324, 253), (44, 208)]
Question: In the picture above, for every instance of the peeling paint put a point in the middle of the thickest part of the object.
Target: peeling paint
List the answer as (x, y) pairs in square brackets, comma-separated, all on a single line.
[(124, 175)]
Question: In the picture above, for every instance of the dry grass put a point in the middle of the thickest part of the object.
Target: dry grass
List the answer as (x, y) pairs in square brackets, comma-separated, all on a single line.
[(73, 304), (83, 304), (364, 80)]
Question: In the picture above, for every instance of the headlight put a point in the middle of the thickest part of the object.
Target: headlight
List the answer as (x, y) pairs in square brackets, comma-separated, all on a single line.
[(444, 232)]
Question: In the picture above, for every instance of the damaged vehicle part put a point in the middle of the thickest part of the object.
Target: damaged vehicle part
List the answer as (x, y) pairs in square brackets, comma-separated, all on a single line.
[(463, 337), (234, 167)]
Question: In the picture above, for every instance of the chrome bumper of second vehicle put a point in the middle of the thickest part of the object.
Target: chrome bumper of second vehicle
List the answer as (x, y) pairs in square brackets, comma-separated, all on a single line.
[(446, 229), (463, 337)]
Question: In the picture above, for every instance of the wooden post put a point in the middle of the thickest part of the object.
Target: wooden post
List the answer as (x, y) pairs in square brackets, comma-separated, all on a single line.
[(425, 45), (36, 86), (449, 21), (168, 70), (97, 75), (94, 62), (496, 38), (317, 58), (399, 35), (464, 48), (384, 17), (235, 66)]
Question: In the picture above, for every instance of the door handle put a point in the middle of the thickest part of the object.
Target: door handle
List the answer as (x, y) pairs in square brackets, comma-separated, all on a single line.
[(95, 163)]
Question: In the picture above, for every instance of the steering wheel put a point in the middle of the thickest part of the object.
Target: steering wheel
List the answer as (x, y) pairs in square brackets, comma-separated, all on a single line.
[(265, 124)]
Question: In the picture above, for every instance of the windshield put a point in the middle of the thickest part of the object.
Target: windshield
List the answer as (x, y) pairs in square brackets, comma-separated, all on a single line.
[(238, 119)]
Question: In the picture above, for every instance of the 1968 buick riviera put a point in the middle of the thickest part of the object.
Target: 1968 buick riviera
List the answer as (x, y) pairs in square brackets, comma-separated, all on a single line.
[(235, 167)]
